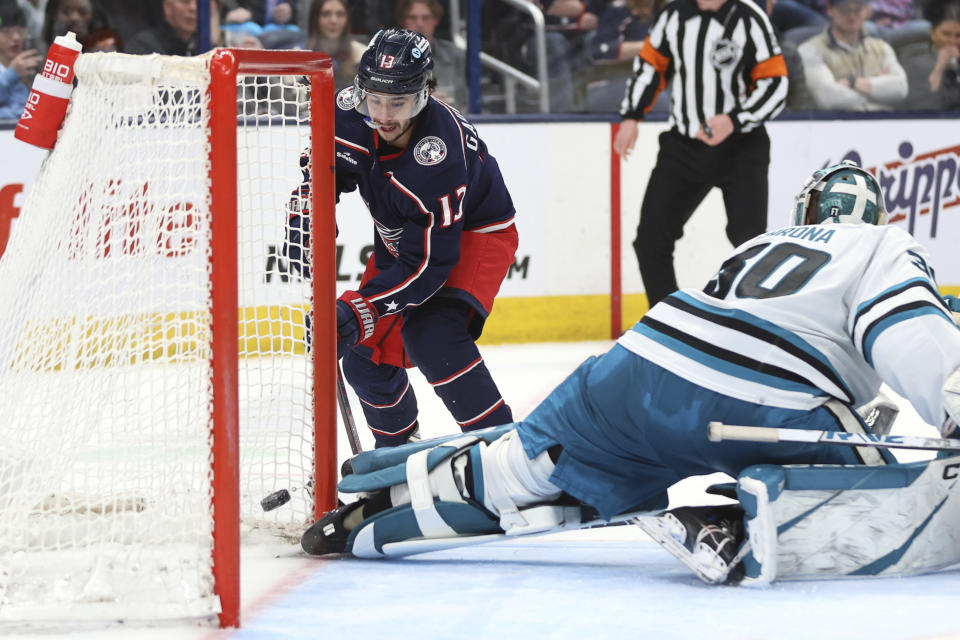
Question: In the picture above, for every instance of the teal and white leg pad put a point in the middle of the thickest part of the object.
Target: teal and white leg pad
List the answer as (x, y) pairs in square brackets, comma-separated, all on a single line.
[(821, 521), (449, 492)]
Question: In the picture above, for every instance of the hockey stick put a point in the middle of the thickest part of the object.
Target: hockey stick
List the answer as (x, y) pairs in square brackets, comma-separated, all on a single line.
[(717, 432), (347, 414)]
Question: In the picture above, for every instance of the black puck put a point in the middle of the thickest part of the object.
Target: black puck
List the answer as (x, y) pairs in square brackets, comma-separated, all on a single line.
[(275, 499)]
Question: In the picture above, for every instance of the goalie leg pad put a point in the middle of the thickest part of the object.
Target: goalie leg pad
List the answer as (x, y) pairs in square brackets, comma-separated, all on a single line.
[(819, 521), (383, 534), (474, 490), (378, 459), (459, 492)]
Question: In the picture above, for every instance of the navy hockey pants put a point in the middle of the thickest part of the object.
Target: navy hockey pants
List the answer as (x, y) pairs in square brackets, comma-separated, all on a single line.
[(437, 340)]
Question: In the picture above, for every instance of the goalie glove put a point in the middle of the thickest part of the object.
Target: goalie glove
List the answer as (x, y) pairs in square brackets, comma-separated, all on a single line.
[(356, 318), (879, 414)]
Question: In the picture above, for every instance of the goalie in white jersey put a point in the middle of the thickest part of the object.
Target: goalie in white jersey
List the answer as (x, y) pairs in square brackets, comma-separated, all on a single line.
[(798, 328)]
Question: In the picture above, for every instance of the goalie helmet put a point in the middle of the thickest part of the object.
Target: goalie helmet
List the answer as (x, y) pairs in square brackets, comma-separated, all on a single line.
[(840, 193), (397, 62)]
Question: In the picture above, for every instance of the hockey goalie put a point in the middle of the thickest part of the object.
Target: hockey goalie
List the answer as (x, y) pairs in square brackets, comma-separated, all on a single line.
[(797, 330)]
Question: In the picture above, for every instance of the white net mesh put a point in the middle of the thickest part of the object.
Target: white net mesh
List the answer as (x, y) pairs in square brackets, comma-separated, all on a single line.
[(105, 376)]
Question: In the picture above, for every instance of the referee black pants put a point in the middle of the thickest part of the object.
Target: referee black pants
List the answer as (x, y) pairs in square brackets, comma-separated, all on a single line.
[(686, 170)]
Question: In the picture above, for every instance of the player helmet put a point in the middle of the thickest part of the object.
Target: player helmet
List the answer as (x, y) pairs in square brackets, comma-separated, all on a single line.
[(397, 62), (840, 193)]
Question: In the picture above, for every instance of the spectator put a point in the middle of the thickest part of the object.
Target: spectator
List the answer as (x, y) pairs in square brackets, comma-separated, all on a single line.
[(621, 29), (450, 62), (568, 24), (279, 13), (33, 12), (177, 33), (892, 13), (848, 70), (328, 30), (104, 41), (130, 18), (17, 65), (790, 14), (272, 22), (78, 16), (933, 68)]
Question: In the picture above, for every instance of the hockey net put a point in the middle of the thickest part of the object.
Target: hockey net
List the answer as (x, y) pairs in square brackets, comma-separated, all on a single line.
[(155, 371)]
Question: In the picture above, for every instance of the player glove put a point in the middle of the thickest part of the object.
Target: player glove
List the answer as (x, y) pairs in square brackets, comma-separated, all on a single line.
[(356, 318)]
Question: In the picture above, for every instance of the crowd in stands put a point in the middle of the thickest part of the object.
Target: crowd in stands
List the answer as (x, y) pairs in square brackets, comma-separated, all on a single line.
[(856, 55)]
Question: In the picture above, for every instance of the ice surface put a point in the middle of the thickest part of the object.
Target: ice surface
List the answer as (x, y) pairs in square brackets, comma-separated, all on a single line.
[(603, 583)]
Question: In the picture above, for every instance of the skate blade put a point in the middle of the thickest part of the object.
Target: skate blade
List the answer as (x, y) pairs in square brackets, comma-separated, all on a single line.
[(704, 562)]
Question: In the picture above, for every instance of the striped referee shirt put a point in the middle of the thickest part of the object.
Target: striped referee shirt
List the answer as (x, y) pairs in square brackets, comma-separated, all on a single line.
[(727, 61)]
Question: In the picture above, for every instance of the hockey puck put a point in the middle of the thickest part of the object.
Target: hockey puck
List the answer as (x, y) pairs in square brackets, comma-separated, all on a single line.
[(275, 499)]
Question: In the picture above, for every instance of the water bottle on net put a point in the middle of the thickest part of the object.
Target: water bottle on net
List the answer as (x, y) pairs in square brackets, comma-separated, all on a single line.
[(47, 103)]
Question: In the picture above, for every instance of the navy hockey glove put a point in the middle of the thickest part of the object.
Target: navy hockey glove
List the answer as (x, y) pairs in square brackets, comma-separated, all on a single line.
[(356, 318)]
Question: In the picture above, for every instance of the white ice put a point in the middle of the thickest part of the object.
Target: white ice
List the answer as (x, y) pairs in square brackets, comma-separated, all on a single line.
[(602, 583)]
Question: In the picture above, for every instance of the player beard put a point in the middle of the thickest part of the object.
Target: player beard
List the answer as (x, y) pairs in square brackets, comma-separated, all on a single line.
[(395, 130)]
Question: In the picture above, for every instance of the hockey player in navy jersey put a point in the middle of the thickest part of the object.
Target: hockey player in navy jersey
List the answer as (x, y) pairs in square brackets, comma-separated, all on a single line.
[(797, 329), (445, 239)]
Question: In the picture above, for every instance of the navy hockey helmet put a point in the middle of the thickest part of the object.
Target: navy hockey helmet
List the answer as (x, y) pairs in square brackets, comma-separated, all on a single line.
[(397, 62), (840, 193)]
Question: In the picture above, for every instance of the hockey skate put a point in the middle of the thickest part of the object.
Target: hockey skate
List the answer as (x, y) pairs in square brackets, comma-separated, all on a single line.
[(328, 535), (706, 539)]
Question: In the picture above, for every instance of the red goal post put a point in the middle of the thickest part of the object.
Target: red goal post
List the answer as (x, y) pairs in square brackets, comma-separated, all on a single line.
[(225, 67)]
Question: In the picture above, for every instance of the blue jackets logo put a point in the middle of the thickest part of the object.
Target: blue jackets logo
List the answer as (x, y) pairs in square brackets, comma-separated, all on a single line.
[(429, 151), (346, 100)]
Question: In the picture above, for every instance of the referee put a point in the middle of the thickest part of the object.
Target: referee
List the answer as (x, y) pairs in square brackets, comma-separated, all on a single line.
[(728, 78)]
